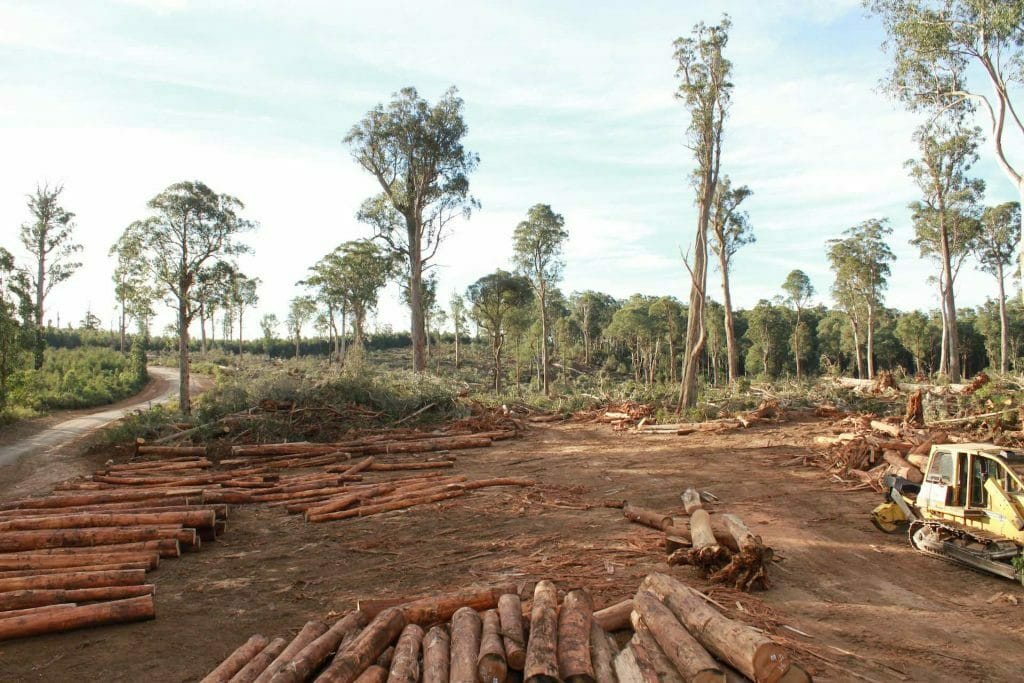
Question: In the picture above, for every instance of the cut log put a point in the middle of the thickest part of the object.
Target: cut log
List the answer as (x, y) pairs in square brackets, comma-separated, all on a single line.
[(747, 650), (541, 649), (399, 466), (309, 632), (236, 660), (399, 504), (465, 645), (510, 611), (195, 519), (615, 617), (602, 654), (688, 656), (491, 664), (122, 577), (13, 562), (309, 658), (364, 650), (114, 566), (39, 597), (37, 611), (691, 500), (918, 461), (260, 662), (435, 609), (167, 547), (13, 541), (347, 500), (436, 656), (374, 674), (574, 617), (359, 466), (81, 616), (650, 518), (650, 659), (405, 664)]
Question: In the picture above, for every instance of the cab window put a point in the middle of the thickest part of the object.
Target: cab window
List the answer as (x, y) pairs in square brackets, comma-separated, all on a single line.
[(942, 469)]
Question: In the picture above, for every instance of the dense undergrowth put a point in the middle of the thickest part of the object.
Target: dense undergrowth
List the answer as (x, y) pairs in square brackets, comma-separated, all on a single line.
[(73, 378)]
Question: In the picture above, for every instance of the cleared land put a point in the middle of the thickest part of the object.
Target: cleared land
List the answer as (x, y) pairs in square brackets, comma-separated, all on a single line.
[(901, 616)]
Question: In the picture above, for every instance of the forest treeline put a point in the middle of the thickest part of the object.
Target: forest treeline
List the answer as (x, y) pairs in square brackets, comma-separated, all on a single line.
[(954, 63)]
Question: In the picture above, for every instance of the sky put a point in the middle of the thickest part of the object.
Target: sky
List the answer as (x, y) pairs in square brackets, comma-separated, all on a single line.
[(568, 103)]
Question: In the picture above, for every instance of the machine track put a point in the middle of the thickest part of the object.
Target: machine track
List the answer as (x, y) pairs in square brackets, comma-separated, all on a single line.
[(952, 547)]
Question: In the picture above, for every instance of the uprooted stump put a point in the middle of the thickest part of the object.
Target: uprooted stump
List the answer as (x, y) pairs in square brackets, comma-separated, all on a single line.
[(748, 568)]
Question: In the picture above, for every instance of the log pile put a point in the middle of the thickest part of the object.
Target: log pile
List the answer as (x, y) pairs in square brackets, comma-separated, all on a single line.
[(79, 556), (723, 548), (494, 635), (767, 411)]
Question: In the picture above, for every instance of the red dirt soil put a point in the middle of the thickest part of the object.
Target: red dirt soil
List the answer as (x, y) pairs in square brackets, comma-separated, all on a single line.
[(873, 609)]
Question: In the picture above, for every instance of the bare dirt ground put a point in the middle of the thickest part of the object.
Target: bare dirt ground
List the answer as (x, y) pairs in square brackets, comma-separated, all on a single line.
[(872, 608)]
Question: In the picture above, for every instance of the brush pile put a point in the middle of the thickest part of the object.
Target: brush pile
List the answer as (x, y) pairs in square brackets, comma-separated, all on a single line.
[(725, 551), (494, 635), (767, 411)]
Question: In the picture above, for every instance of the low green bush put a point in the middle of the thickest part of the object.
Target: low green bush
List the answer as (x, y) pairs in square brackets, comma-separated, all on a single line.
[(77, 378)]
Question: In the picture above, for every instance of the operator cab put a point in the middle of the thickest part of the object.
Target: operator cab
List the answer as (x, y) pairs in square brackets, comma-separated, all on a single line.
[(954, 485)]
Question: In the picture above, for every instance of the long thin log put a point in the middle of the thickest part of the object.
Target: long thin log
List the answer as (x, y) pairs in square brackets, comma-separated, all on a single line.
[(37, 597), (166, 547), (435, 609), (81, 616), (436, 656), (341, 502), (309, 658), (574, 617), (749, 651), (349, 663), (236, 660), (615, 617), (360, 466), (19, 562), (147, 505), (37, 611), (192, 518), (310, 631), (405, 665), (465, 645), (541, 650), (260, 662), (13, 541), (110, 566), (650, 518), (399, 466), (510, 612), (687, 655), (491, 665), (400, 504), (602, 654), (123, 577)]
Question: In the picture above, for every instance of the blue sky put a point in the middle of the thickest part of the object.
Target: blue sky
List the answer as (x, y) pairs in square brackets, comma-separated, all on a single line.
[(568, 103)]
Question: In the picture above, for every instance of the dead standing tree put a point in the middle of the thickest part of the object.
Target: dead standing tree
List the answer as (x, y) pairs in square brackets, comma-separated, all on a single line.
[(706, 91)]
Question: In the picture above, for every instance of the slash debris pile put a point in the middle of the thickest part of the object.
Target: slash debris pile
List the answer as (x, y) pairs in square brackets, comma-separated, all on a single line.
[(491, 635), (726, 552), (78, 557)]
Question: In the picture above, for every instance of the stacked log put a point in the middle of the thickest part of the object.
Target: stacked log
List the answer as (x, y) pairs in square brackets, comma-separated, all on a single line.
[(464, 637), (84, 549)]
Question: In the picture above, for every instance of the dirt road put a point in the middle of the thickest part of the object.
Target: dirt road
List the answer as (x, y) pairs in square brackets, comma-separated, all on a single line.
[(872, 609)]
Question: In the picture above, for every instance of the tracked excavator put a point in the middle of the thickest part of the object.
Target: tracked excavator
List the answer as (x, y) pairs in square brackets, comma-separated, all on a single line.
[(968, 509)]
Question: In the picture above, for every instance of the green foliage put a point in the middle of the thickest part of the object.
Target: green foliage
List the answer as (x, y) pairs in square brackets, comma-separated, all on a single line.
[(77, 378)]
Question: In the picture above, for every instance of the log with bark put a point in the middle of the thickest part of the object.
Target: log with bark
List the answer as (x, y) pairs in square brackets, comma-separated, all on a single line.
[(687, 655), (466, 630), (614, 617), (647, 517), (236, 660), (902, 467), (491, 663), (79, 616), (364, 650), (746, 649), (260, 662), (310, 657), (309, 632), (541, 650), (574, 618), (652, 661), (436, 656), (510, 612), (602, 654), (405, 663)]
